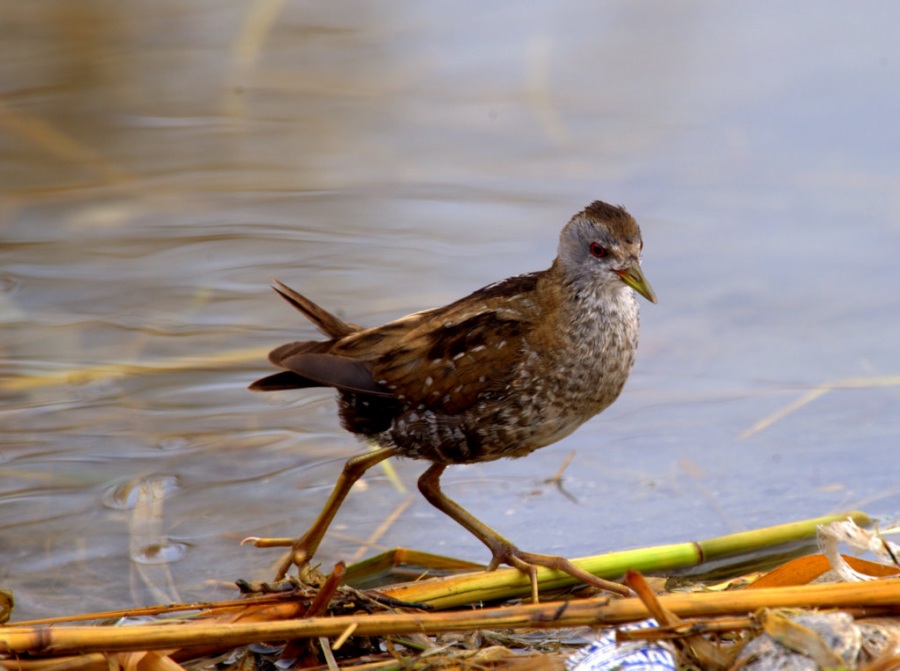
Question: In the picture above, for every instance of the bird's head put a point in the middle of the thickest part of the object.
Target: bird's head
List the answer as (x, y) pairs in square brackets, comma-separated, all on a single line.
[(601, 246)]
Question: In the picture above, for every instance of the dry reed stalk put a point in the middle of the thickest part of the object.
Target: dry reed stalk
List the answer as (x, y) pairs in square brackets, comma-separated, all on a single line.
[(460, 590), (591, 612)]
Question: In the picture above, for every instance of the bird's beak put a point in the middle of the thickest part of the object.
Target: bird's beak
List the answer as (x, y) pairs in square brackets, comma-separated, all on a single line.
[(634, 277)]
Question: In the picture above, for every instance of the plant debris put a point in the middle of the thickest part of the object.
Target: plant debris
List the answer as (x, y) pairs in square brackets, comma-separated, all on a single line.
[(784, 616)]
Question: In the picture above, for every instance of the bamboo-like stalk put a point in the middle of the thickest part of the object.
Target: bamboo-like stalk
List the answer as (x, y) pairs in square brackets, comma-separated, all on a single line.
[(593, 612), (469, 588)]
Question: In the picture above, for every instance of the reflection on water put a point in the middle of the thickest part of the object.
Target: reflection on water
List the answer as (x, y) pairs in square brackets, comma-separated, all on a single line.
[(160, 164)]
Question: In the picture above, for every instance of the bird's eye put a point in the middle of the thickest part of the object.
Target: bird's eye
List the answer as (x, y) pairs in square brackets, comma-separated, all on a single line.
[(598, 250)]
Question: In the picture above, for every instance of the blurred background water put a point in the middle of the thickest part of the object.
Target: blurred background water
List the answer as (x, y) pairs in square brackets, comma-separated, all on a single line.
[(160, 161)]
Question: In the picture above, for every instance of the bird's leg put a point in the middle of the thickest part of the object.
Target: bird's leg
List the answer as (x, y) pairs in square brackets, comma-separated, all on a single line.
[(303, 548), (502, 550)]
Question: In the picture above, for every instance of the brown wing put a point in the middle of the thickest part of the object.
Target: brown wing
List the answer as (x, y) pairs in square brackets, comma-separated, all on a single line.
[(444, 359), (449, 368), (447, 358)]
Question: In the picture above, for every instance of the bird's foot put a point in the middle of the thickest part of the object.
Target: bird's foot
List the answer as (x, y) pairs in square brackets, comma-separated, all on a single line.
[(504, 552), (299, 554)]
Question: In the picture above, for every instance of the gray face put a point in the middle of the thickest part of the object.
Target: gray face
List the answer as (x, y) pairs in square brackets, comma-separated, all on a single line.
[(596, 243)]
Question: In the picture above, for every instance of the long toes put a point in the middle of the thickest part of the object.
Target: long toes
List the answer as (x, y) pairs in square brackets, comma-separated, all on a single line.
[(504, 552), (297, 556), (498, 560), (509, 554), (258, 542), (564, 565), (284, 566), (531, 571)]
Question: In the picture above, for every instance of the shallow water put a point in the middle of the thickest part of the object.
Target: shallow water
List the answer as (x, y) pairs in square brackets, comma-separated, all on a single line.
[(160, 164)]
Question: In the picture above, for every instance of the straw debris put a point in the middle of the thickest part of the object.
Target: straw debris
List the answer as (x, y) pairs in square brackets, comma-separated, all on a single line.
[(745, 623)]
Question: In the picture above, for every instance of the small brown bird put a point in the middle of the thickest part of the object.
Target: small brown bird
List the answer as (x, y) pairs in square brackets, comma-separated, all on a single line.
[(510, 368)]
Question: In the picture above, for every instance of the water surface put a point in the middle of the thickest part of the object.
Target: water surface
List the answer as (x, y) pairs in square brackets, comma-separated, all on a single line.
[(160, 164)]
